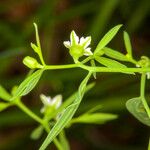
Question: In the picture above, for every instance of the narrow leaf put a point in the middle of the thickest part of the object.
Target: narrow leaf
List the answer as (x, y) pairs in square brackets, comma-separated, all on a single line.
[(136, 108), (127, 43), (4, 94), (28, 84), (3, 106), (67, 114), (35, 48), (107, 38), (109, 62), (114, 54), (94, 118)]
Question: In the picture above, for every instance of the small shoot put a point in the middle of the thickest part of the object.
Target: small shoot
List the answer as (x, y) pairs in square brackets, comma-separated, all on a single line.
[(37, 48), (106, 39), (127, 43), (31, 63)]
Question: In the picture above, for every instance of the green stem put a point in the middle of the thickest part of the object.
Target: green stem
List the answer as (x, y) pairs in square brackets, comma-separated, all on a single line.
[(142, 93), (96, 69), (29, 112), (39, 120)]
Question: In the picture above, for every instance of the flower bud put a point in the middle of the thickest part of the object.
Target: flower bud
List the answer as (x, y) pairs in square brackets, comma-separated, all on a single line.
[(31, 62)]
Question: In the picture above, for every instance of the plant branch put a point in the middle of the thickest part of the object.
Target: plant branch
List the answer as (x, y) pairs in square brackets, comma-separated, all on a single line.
[(142, 93)]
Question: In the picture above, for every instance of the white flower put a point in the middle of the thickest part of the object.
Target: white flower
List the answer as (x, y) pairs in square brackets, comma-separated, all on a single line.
[(78, 47), (50, 102)]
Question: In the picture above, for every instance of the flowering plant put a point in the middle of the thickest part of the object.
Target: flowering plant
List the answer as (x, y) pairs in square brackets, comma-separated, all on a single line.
[(58, 115)]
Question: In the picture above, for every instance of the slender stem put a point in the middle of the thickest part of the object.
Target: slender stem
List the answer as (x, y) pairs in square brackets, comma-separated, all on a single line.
[(96, 69), (86, 60), (29, 112), (142, 94), (53, 67), (39, 120), (149, 145)]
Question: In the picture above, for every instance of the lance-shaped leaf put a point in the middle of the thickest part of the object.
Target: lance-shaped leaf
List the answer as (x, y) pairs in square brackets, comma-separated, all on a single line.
[(109, 62), (107, 38), (67, 114), (114, 54), (3, 106), (127, 43), (28, 84), (136, 108), (94, 118), (4, 94)]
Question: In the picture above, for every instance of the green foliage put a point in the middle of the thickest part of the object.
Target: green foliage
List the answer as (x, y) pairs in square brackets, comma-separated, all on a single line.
[(106, 39), (114, 54), (127, 43), (28, 84), (136, 108), (4, 94), (66, 115), (94, 118), (3, 106), (55, 122)]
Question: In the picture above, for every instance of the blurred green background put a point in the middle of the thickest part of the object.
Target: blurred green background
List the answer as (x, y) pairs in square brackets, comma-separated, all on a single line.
[(56, 18)]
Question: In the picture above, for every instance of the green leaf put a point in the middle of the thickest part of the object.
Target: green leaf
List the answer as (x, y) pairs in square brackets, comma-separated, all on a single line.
[(94, 118), (66, 115), (4, 94), (136, 108), (28, 84), (109, 62), (36, 133), (107, 38), (114, 54), (127, 43), (35, 48), (3, 106), (37, 36)]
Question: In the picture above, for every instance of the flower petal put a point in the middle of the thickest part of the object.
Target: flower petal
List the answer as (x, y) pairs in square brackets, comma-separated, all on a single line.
[(82, 40), (74, 39), (87, 52), (87, 41), (148, 75), (46, 100), (67, 44), (57, 101)]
